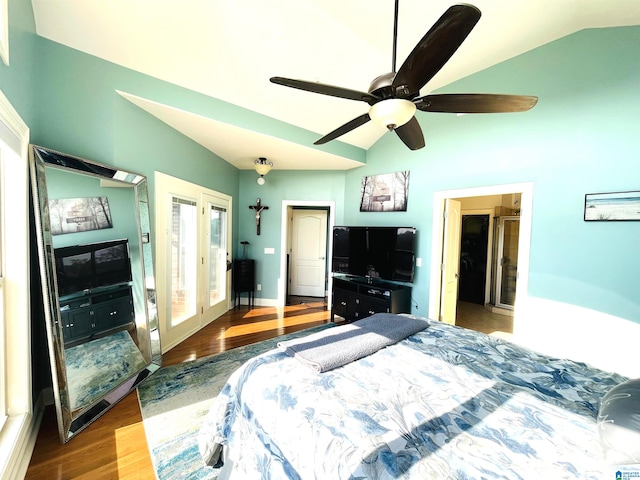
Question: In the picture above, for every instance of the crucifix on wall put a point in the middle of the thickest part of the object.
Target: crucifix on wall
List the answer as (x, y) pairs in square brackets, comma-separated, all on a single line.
[(258, 207)]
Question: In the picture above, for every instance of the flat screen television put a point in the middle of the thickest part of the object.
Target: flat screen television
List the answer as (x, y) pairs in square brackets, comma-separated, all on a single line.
[(385, 253), (93, 265)]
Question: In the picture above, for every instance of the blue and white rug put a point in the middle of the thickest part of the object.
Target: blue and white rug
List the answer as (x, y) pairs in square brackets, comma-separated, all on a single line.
[(95, 368), (175, 399)]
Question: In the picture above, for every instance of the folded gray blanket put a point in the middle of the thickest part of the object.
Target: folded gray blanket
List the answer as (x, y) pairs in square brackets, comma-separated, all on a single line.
[(334, 347)]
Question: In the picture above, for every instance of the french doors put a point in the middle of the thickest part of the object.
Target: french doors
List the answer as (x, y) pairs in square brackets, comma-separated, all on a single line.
[(193, 248)]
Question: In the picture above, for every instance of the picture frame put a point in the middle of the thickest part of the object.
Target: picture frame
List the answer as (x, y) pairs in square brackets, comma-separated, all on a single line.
[(72, 215), (387, 192), (612, 207)]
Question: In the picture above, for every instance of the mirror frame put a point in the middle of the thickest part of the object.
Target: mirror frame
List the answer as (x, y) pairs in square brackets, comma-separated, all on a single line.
[(71, 423)]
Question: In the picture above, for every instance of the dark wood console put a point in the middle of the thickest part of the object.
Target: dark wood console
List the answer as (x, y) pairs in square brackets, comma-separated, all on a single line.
[(93, 314), (356, 297)]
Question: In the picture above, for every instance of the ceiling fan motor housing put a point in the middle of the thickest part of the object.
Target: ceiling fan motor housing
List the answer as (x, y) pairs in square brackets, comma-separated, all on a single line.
[(382, 87)]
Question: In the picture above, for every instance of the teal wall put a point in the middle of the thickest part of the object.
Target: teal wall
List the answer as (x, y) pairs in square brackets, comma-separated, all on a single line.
[(17, 81), (81, 113), (306, 186), (122, 202), (582, 137)]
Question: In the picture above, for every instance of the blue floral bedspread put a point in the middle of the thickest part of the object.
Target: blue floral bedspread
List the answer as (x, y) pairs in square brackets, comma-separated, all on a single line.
[(445, 403)]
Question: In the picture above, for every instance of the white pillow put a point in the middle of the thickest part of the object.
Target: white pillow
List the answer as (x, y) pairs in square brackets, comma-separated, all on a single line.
[(619, 423)]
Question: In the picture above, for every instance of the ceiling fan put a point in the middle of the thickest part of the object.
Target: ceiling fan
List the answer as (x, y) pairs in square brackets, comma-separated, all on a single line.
[(394, 97)]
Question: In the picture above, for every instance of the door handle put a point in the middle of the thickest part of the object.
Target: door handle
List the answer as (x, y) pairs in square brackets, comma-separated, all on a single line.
[(321, 258)]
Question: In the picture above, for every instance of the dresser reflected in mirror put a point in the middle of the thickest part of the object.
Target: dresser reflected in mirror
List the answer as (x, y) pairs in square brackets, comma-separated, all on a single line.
[(95, 255)]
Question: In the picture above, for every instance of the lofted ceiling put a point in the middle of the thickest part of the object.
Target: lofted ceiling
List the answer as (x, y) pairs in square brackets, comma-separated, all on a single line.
[(229, 50)]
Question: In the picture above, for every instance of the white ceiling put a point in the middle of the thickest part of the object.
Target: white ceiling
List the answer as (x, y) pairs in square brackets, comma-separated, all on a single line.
[(229, 49)]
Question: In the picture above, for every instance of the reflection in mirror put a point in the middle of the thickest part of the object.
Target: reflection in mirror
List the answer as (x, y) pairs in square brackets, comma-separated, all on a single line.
[(94, 246)]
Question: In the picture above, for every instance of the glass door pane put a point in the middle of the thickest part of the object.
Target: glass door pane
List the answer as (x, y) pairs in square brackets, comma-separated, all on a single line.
[(184, 254), (510, 232), (217, 271)]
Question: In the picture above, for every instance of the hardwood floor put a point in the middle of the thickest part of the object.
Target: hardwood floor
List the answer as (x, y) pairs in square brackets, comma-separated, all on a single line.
[(114, 446), (477, 317)]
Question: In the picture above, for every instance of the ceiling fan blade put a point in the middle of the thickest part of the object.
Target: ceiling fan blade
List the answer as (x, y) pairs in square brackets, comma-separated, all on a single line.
[(411, 134), (347, 127), (436, 47), (475, 103), (331, 90)]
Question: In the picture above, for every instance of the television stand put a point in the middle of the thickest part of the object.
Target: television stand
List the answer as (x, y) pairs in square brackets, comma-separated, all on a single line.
[(355, 298), (92, 315)]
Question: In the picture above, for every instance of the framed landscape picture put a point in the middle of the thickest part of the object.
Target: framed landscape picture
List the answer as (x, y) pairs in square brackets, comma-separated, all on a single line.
[(608, 207), (385, 193), (72, 215)]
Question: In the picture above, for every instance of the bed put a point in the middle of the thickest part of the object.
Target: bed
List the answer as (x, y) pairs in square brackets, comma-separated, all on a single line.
[(443, 403)]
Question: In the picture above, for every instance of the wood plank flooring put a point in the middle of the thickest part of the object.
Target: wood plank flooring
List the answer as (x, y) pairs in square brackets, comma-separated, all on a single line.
[(477, 317), (115, 447)]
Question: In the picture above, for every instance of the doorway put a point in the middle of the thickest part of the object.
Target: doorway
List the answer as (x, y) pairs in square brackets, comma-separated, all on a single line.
[(443, 266), (308, 252), (301, 261), (474, 258)]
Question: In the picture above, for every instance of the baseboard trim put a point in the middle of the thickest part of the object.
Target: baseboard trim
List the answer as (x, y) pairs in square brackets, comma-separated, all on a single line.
[(258, 302)]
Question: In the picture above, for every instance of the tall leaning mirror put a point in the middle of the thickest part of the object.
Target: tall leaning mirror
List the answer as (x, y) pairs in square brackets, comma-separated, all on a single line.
[(95, 254)]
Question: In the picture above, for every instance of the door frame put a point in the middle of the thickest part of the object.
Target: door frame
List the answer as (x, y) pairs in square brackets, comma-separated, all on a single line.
[(437, 235), (287, 205)]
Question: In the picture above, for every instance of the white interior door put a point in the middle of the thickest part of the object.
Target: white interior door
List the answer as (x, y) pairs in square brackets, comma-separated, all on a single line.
[(451, 260), (308, 252)]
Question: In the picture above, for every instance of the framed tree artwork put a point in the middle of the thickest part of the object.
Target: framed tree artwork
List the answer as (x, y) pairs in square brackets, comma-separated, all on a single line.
[(72, 215), (385, 193)]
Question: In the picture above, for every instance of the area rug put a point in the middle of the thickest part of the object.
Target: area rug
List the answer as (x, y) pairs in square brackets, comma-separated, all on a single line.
[(97, 367), (175, 399)]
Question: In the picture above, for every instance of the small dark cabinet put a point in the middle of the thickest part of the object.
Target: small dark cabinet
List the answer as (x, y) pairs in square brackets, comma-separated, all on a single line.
[(357, 298), (244, 280), (93, 314)]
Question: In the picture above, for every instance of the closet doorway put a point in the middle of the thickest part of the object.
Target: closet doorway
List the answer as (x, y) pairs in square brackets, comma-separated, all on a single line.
[(493, 220), (301, 255), (474, 258)]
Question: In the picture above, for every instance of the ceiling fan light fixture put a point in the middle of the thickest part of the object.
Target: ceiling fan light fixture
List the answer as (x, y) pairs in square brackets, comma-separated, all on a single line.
[(262, 166), (392, 112)]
